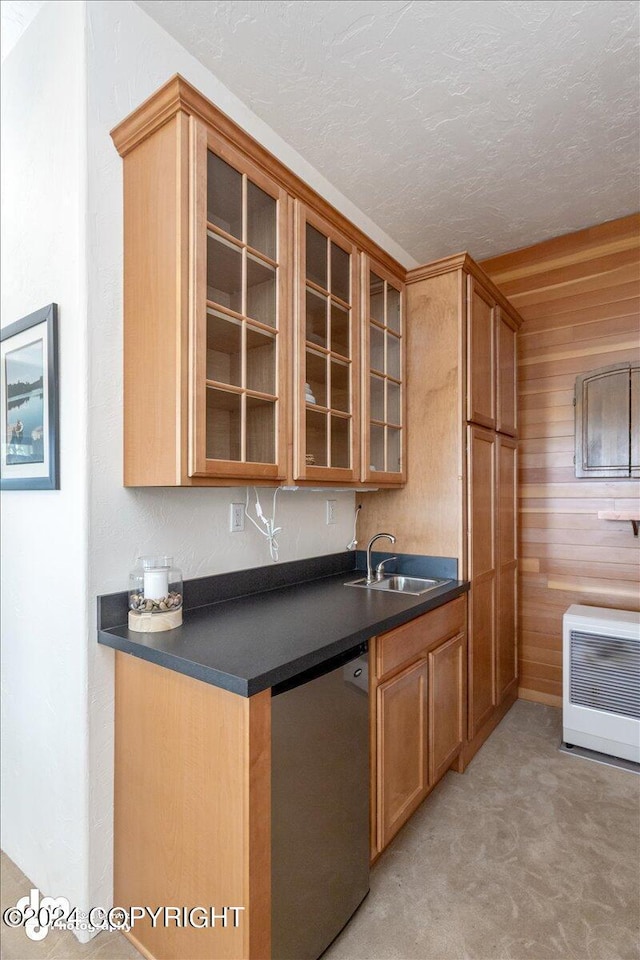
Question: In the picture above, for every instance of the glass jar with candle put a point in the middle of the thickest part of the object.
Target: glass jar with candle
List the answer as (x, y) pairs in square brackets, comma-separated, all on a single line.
[(155, 594)]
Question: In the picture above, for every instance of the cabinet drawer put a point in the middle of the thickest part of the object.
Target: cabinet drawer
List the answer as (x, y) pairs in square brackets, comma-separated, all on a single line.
[(403, 644)]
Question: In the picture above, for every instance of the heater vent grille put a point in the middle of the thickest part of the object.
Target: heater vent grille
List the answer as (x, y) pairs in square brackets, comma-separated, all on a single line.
[(605, 673)]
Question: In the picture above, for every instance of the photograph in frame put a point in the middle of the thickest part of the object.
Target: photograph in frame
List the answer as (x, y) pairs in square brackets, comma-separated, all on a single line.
[(29, 402)]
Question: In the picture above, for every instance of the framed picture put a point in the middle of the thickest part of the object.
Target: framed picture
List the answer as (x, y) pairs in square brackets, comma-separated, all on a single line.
[(29, 447)]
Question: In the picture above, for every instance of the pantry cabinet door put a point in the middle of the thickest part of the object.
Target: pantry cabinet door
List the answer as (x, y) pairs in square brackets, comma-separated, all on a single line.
[(506, 374), (239, 313), (507, 563), (481, 445), (481, 370)]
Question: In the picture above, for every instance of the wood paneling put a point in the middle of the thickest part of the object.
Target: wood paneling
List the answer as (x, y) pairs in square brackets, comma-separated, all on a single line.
[(579, 296)]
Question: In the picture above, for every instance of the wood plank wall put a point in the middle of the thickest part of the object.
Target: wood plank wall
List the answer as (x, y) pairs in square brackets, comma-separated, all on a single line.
[(579, 296)]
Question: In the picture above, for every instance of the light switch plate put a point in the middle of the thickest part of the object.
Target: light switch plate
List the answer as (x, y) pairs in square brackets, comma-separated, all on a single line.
[(331, 511)]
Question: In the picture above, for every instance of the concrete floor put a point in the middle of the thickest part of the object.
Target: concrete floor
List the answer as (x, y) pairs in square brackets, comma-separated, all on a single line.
[(531, 855)]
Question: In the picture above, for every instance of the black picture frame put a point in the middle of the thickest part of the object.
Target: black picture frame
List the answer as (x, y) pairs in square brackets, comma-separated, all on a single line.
[(16, 474)]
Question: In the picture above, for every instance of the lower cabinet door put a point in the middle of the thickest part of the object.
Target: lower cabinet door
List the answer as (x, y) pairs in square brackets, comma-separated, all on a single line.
[(482, 652), (403, 779), (446, 705)]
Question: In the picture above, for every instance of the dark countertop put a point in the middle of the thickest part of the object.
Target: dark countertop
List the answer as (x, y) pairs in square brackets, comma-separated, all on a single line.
[(250, 643)]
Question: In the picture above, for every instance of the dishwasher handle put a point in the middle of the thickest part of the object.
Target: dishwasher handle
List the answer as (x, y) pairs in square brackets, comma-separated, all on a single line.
[(327, 666)]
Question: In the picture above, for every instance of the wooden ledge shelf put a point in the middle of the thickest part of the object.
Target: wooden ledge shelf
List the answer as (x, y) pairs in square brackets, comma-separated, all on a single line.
[(632, 515)]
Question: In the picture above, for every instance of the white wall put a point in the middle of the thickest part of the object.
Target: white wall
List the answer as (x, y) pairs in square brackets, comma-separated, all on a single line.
[(45, 533), (127, 57)]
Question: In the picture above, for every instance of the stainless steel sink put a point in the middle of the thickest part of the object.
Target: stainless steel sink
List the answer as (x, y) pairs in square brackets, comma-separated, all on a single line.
[(414, 586)]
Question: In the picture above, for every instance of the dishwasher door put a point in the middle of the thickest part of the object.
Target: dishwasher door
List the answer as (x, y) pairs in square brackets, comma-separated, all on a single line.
[(320, 804)]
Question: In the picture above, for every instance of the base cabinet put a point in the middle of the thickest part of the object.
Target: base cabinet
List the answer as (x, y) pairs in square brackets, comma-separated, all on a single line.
[(419, 700), (192, 810), (402, 744), (446, 705)]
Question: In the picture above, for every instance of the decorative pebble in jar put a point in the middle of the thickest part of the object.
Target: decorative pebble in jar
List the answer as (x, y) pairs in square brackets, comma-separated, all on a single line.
[(155, 595)]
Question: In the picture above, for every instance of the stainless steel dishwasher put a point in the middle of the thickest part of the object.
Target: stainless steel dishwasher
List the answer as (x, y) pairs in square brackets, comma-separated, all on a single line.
[(320, 804)]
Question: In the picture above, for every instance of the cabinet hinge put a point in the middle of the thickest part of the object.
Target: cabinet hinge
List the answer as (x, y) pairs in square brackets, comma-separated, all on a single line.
[(574, 401), (574, 459)]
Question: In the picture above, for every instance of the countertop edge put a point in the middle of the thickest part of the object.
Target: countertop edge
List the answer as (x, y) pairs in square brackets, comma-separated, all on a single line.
[(247, 687), (190, 668)]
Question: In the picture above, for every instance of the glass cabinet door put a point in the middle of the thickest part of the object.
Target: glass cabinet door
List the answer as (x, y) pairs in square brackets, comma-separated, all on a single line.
[(383, 376), (327, 404), (239, 315)]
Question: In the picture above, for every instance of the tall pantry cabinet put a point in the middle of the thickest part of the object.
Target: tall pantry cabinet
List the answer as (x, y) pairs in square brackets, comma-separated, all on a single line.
[(460, 497)]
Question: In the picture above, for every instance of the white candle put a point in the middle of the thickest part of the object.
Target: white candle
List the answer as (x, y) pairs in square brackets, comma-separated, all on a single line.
[(156, 584)]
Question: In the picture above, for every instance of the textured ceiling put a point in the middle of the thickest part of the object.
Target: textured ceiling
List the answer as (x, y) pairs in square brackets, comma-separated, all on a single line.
[(454, 125)]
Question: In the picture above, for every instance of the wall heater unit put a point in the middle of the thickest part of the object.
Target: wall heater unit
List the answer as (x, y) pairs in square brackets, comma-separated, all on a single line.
[(601, 681)]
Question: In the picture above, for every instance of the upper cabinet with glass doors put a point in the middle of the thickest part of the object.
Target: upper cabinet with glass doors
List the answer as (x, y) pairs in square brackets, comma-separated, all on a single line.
[(246, 322), (383, 383), (238, 368), (327, 396)]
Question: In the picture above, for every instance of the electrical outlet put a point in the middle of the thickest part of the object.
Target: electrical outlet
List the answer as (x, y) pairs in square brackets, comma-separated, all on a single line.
[(236, 522), (331, 511)]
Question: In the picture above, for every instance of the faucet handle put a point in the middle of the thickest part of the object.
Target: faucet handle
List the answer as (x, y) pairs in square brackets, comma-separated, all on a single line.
[(380, 567)]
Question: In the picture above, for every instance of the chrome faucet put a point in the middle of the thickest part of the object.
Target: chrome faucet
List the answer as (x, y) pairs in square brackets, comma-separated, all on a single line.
[(379, 573)]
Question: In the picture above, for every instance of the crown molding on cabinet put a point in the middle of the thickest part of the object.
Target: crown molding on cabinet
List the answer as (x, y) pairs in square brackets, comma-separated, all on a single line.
[(462, 261), (177, 94)]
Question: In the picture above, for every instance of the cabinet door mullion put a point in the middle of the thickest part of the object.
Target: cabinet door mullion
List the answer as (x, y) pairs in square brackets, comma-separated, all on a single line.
[(378, 466), (218, 424), (320, 278)]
